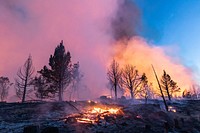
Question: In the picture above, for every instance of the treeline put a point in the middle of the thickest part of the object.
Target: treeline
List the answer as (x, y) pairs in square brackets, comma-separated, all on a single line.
[(127, 79), (50, 82), (60, 73)]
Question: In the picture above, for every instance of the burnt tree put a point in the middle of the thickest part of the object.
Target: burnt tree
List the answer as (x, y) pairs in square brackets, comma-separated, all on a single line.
[(132, 80), (76, 81), (145, 89), (24, 79), (114, 76), (168, 85), (161, 91), (59, 73), (4, 87)]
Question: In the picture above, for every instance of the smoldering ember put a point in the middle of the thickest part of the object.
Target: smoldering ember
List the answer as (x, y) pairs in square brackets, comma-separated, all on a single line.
[(101, 66)]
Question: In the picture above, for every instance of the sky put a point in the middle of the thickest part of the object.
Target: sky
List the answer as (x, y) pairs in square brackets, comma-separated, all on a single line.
[(174, 23), (94, 32)]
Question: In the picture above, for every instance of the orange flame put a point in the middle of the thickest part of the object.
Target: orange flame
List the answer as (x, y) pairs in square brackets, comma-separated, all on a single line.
[(93, 115)]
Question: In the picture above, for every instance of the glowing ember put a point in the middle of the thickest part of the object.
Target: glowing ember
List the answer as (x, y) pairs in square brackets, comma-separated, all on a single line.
[(96, 114), (172, 109), (109, 96), (101, 110)]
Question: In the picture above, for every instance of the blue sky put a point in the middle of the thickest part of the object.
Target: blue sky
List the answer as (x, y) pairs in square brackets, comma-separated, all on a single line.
[(174, 23)]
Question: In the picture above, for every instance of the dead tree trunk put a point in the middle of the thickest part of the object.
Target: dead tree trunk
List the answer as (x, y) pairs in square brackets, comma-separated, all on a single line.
[(166, 107)]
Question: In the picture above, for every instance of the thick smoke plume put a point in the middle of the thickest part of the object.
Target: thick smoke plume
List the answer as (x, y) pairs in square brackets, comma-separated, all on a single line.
[(132, 49), (139, 53), (36, 27), (126, 21), (88, 29)]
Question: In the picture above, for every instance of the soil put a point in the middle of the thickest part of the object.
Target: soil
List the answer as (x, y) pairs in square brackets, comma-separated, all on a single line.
[(40, 117)]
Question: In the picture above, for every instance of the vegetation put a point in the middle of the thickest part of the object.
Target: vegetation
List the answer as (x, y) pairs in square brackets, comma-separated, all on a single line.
[(4, 86), (24, 79), (61, 74), (114, 76), (168, 85), (58, 76), (132, 80)]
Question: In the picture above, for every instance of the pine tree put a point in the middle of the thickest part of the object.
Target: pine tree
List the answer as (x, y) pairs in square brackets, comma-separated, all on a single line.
[(168, 85), (41, 88), (59, 73)]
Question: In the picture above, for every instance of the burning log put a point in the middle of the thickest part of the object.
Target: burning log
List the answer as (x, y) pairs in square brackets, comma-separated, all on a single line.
[(96, 115)]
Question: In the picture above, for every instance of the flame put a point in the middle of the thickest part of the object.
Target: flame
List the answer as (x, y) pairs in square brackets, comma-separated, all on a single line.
[(172, 109), (96, 113), (101, 110)]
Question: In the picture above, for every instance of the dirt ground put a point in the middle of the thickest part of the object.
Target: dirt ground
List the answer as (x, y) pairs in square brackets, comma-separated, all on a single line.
[(35, 117)]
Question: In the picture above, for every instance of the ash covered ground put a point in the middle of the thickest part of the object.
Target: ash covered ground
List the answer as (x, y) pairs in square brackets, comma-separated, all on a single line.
[(135, 117)]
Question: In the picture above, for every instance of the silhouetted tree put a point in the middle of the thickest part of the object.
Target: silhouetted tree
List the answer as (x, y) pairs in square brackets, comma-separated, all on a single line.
[(24, 79), (59, 73), (187, 94), (41, 88), (4, 87), (159, 85), (168, 85), (145, 89), (76, 79), (132, 80), (114, 76)]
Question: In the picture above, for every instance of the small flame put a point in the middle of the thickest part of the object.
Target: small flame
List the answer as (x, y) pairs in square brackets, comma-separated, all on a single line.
[(97, 113), (101, 110), (172, 109), (109, 96)]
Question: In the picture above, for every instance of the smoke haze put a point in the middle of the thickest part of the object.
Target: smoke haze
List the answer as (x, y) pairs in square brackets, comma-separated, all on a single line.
[(88, 29)]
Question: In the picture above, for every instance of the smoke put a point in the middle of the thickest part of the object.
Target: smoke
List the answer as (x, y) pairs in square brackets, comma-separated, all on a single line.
[(88, 29), (126, 22), (36, 27), (132, 49), (139, 53)]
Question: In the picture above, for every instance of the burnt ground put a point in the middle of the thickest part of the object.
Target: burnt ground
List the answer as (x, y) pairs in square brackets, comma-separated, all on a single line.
[(47, 117)]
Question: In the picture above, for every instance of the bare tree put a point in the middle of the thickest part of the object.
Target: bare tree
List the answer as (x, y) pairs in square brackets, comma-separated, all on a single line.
[(165, 103), (132, 80), (4, 86), (24, 79), (114, 76), (76, 81)]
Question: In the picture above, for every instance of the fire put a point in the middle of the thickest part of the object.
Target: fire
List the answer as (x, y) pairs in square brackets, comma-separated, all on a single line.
[(97, 114), (101, 110), (172, 109)]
